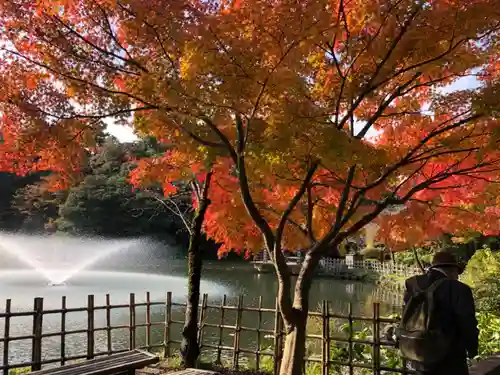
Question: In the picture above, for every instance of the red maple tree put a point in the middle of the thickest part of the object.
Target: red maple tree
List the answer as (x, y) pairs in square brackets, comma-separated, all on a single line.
[(281, 98)]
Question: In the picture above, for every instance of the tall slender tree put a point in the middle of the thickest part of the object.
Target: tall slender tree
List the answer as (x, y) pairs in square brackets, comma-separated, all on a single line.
[(195, 191)]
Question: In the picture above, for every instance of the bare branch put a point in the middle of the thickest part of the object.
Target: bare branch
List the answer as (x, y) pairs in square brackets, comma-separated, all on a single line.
[(175, 210)]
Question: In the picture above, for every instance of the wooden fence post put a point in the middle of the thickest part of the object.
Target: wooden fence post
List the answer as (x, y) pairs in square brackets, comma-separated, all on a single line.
[(237, 333), (131, 341), (325, 313), (221, 331), (376, 339), (63, 330), (201, 324), (90, 326), (405, 361), (36, 349), (259, 324), (6, 336), (168, 321), (350, 338), (108, 324), (277, 338), (148, 321)]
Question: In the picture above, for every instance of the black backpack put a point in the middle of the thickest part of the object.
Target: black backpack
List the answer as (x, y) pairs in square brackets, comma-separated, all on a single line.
[(420, 337)]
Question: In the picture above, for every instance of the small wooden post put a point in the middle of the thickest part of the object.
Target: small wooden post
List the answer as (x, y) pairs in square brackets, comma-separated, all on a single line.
[(108, 324), (277, 338), (221, 330), (201, 323), (405, 361), (259, 324), (237, 333), (168, 322), (148, 321), (6, 336), (131, 341), (63, 330), (326, 337), (350, 343), (90, 326), (36, 350), (376, 339)]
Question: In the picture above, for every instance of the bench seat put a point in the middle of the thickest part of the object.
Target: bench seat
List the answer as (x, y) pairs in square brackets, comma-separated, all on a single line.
[(121, 363)]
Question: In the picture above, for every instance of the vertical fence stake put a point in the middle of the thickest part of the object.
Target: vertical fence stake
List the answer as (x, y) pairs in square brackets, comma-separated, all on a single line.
[(108, 324), (168, 321), (277, 338), (131, 341), (221, 330), (376, 339), (350, 343), (90, 326), (63, 330), (148, 321), (405, 362), (36, 350), (237, 333), (201, 323), (326, 337), (259, 323), (6, 336)]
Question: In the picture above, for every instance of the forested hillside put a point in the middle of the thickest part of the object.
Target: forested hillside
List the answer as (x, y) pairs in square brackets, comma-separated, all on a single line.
[(103, 203)]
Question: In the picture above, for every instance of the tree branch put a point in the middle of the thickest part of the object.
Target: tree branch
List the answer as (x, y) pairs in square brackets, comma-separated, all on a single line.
[(386, 104), (291, 205), (322, 244), (310, 208)]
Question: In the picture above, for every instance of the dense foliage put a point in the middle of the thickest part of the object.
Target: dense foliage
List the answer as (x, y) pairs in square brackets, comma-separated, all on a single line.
[(102, 203), (483, 275)]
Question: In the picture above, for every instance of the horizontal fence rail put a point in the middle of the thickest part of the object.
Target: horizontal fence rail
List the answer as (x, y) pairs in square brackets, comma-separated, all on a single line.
[(336, 343)]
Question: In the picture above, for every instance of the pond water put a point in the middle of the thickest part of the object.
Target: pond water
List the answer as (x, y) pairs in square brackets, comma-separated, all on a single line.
[(158, 276)]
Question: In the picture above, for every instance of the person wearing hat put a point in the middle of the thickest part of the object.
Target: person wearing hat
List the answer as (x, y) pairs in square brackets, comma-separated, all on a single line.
[(454, 312)]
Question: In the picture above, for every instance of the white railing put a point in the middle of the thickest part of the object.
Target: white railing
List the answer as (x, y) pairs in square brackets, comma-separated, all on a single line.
[(331, 265), (336, 266)]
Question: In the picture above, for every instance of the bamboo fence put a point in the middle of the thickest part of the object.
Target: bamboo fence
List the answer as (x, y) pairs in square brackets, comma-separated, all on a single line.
[(211, 334)]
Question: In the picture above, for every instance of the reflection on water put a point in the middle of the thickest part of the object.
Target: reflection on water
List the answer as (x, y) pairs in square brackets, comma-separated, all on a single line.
[(219, 279)]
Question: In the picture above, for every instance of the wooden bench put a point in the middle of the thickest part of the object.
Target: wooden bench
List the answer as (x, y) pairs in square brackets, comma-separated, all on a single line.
[(488, 366), (122, 363)]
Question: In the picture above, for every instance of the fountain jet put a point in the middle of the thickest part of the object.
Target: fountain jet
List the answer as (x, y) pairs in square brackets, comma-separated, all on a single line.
[(59, 258)]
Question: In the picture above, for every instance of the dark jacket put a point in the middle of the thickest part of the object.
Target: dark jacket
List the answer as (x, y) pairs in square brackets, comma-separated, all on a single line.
[(455, 311)]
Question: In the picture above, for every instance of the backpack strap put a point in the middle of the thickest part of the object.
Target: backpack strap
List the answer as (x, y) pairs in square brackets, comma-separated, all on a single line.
[(430, 290)]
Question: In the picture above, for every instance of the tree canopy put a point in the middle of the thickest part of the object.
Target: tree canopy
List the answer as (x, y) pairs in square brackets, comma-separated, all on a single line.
[(343, 102)]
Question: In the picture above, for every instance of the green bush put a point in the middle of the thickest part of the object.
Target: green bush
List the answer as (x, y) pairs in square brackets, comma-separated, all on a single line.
[(482, 275), (489, 334), (16, 371)]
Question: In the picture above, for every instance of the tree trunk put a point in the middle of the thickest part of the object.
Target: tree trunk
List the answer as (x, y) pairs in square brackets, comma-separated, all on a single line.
[(294, 350), (190, 348), (296, 321)]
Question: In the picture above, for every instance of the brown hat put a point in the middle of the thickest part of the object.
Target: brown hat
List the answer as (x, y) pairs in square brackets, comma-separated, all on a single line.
[(446, 259)]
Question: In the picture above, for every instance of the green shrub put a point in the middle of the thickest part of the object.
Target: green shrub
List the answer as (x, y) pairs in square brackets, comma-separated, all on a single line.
[(16, 371), (489, 334), (482, 275)]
